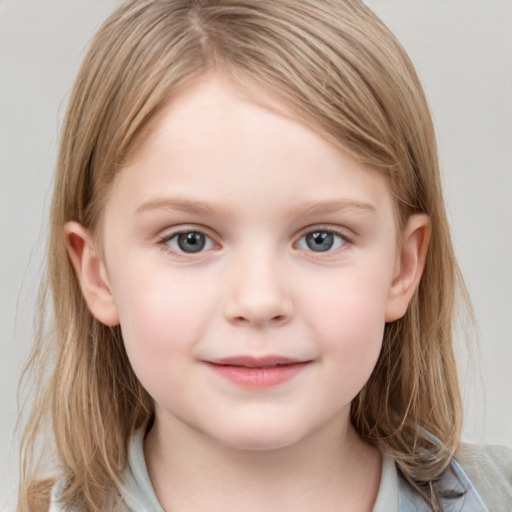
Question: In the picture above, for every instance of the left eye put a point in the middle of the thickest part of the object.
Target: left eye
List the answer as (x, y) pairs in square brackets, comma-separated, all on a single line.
[(321, 241), (189, 242)]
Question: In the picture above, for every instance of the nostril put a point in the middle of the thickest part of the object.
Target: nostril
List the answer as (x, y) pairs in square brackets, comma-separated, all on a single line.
[(258, 311), (275, 319)]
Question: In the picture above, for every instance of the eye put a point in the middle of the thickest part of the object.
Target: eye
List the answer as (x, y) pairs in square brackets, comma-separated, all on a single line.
[(189, 242), (321, 241)]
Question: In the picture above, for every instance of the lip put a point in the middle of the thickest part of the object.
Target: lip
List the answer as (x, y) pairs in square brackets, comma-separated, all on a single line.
[(258, 372)]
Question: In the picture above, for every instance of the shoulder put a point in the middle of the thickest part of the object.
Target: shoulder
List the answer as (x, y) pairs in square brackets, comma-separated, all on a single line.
[(55, 503), (490, 470)]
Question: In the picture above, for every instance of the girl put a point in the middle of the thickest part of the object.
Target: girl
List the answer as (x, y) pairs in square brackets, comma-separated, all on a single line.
[(251, 274)]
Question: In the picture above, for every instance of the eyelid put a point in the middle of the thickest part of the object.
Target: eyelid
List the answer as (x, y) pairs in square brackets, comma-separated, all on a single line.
[(344, 233), (337, 231), (170, 233)]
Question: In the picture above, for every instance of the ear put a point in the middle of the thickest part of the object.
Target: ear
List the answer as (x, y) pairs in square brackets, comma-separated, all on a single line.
[(91, 273), (409, 268)]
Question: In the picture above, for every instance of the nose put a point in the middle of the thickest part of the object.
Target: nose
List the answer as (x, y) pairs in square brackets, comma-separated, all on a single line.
[(258, 294)]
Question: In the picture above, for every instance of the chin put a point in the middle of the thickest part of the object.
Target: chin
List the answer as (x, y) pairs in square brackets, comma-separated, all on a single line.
[(259, 439)]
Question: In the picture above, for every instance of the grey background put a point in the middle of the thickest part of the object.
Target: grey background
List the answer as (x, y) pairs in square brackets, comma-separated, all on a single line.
[(463, 52)]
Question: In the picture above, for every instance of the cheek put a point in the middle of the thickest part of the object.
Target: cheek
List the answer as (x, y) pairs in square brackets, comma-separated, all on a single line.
[(162, 320), (349, 321)]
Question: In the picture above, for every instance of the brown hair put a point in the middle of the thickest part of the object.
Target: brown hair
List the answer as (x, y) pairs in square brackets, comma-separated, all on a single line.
[(344, 74)]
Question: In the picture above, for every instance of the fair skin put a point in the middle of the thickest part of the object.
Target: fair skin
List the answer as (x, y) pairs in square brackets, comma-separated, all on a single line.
[(237, 232)]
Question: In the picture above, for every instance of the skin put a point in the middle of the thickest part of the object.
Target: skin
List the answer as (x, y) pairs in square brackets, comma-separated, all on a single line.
[(255, 183)]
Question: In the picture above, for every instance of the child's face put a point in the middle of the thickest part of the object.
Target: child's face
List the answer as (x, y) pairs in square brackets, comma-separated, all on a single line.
[(237, 235)]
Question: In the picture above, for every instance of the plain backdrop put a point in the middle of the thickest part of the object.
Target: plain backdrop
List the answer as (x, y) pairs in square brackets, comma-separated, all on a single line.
[(463, 53)]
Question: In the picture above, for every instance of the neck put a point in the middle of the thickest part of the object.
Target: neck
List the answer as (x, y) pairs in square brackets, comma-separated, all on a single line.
[(325, 471)]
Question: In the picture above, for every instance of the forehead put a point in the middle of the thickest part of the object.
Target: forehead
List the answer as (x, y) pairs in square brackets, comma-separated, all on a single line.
[(204, 104), (213, 139)]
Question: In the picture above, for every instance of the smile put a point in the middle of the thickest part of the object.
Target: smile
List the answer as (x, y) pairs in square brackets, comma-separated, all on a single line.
[(258, 373)]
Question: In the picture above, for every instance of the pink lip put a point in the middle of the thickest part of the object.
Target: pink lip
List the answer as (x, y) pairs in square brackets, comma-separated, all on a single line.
[(258, 372)]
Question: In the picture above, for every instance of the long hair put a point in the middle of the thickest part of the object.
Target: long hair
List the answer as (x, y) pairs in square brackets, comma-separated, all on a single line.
[(342, 73)]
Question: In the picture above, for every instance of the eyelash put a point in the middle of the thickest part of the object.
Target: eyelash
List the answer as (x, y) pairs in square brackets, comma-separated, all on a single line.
[(164, 240), (343, 239)]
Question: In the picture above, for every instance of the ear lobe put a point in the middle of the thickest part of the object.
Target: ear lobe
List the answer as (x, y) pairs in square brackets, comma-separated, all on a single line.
[(410, 266), (91, 273)]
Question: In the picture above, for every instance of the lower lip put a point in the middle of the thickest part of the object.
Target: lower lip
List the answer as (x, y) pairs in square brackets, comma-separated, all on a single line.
[(259, 378)]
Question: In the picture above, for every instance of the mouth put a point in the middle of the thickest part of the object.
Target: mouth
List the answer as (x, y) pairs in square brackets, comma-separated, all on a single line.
[(257, 362), (258, 372)]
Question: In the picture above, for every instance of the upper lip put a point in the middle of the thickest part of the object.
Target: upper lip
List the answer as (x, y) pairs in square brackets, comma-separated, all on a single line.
[(256, 362)]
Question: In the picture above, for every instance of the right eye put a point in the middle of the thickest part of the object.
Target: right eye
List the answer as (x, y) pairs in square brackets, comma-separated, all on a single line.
[(188, 242), (322, 240)]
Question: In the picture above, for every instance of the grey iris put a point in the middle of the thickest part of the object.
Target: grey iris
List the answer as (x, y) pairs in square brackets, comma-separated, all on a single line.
[(191, 242), (320, 241)]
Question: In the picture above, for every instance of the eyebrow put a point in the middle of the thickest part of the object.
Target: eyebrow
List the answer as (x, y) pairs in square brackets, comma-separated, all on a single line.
[(201, 207), (336, 205), (178, 204)]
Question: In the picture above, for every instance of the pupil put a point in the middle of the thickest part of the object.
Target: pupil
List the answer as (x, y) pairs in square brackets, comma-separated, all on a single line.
[(191, 242), (320, 241)]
